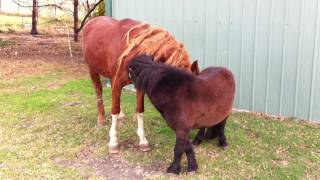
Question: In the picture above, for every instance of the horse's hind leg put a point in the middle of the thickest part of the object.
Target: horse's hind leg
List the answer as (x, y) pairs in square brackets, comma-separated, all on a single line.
[(115, 110), (221, 136), (199, 137), (121, 114), (95, 77), (143, 142)]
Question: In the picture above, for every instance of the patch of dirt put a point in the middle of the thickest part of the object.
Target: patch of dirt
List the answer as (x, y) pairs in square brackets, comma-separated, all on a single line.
[(49, 47), (112, 166), (33, 55)]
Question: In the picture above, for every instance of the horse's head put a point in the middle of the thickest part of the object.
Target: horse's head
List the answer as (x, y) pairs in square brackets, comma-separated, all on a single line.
[(195, 68)]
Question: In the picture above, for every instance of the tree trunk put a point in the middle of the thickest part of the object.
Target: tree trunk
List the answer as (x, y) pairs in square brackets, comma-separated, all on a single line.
[(34, 30), (75, 20)]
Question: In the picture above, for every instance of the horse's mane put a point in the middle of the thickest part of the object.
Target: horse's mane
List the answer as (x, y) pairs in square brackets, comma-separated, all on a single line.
[(148, 74), (156, 42)]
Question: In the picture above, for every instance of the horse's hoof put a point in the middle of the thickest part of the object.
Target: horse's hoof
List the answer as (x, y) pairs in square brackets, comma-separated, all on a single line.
[(144, 147), (174, 169), (121, 116), (101, 124), (114, 149)]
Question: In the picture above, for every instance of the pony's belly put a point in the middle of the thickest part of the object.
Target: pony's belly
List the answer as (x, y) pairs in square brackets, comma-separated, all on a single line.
[(208, 119)]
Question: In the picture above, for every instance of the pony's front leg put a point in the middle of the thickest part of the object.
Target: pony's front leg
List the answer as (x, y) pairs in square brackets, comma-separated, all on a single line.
[(192, 162), (143, 142), (180, 147), (115, 110)]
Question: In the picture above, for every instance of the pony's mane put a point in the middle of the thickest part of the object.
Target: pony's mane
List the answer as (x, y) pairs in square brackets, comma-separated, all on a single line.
[(149, 74)]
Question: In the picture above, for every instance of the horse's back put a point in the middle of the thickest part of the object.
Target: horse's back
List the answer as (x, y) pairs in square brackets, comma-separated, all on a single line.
[(103, 42)]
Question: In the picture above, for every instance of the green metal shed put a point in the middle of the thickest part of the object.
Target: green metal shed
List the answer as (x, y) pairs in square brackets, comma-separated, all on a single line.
[(272, 46)]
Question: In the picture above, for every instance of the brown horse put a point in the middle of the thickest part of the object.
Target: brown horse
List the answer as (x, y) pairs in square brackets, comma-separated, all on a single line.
[(186, 101), (108, 45)]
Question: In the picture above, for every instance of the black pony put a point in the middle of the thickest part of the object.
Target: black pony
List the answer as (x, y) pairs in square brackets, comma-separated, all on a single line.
[(186, 101)]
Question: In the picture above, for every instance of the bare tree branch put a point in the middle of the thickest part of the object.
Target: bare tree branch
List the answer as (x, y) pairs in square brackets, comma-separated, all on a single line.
[(57, 5), (87, 15)]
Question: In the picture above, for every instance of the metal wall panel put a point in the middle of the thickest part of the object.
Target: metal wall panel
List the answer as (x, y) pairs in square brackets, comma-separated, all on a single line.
[(272, 46)]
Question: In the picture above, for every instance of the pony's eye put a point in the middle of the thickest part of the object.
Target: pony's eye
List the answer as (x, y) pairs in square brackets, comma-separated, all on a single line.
[(130, 69)]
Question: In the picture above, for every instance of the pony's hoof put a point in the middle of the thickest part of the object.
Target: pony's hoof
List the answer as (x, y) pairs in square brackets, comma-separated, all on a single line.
[(174, 169), (196, 142), (224, 145), (114, 149), (144, 147), (192, 168)]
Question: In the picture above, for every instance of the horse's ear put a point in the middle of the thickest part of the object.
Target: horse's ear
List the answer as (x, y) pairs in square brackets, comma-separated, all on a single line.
[(195, 67)]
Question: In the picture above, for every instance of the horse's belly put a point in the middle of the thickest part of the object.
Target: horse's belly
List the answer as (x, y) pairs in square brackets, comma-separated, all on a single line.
[(102, 45)]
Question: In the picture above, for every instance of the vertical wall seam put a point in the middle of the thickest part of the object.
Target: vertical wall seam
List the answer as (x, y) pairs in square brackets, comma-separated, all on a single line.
[(254, 56), (315, 54), (183, 22), (205, 35), (269, 56), (284, 34), (242, 53), (217, 34), (298, 60), (162, 6), (194, 34), (229, 33)]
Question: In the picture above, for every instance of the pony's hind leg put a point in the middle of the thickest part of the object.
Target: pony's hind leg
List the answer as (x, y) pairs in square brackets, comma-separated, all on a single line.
[(199, 137), (143, 142), (95, 77), (221, 136), (212, 132)]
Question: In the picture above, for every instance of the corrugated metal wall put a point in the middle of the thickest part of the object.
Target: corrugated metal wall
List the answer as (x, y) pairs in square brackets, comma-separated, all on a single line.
[(272, 46)]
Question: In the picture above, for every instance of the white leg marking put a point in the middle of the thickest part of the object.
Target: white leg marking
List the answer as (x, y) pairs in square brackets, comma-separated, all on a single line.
[(113, 131), (140, 130), (121, 115)]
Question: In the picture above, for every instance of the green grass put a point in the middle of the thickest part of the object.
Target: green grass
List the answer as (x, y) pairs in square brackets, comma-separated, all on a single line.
[(40, 124)]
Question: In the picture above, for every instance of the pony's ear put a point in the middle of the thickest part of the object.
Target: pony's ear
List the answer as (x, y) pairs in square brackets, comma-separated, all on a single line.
[(195, 67)]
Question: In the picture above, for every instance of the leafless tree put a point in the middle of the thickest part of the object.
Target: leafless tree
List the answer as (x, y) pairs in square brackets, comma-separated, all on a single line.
[(89, 11), (88, 6), (34, 30)]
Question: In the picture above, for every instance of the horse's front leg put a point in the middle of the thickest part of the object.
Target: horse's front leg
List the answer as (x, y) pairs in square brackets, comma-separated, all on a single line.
[(143, 142), (180, 147), (115, 110)]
